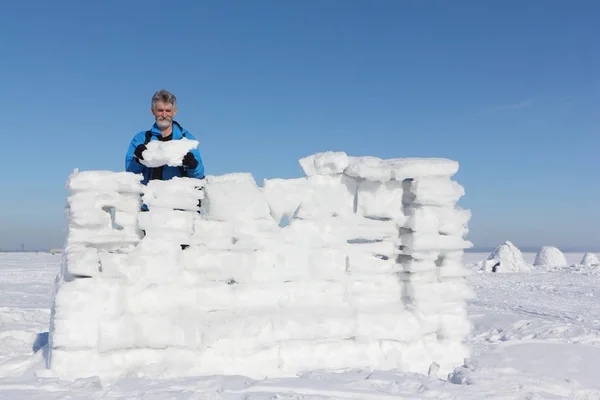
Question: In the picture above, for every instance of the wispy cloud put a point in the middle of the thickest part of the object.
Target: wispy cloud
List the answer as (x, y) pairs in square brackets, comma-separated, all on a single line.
[(516, 106)]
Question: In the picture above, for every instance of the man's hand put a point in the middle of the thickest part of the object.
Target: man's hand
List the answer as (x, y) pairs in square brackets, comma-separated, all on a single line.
[(189, 161), (139, 150)]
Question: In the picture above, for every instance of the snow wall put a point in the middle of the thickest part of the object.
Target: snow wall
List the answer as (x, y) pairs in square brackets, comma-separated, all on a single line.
[(367, 273)]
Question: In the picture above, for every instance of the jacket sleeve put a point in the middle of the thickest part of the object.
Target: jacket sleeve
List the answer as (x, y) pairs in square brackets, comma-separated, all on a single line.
[(131, 164), (197, 172)]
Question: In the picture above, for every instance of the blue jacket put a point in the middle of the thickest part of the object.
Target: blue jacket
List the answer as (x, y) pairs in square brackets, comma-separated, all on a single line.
[(133, 165)]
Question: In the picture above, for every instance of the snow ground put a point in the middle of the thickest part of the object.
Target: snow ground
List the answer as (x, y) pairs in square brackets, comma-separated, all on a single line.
[(536, 336)]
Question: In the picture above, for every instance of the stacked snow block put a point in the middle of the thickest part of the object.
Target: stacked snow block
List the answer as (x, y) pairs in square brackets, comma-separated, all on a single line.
[(430, 246), (101, 211), (102, 215), (355, 265), (396, 224), (155, 312), (114, 254)]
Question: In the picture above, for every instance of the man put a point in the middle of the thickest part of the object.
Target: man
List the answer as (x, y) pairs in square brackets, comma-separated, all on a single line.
[(164, 108)]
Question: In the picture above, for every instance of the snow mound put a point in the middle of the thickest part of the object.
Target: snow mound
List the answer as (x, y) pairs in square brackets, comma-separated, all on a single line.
[(505, 258), (363, 276), (590, 260), (549, 257)]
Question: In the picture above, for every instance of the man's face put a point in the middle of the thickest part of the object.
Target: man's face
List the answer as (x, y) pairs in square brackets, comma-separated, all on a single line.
[(164, 113)]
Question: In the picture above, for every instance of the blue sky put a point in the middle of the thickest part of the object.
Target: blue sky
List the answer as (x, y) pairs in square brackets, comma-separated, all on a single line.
[(510, 89)]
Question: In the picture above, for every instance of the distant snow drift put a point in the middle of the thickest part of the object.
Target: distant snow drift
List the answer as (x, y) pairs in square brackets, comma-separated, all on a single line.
[(505, 258), (508, 258), (590, 260), (367, 274), (550, 256)]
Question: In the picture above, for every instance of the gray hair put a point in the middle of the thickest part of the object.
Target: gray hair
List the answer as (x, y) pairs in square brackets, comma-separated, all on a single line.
[(164, 96)]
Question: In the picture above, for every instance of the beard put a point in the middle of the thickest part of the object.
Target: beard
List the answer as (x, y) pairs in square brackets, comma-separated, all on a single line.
[(163, 122)]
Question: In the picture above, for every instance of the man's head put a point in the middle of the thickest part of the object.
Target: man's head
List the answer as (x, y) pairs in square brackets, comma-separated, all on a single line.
[(164, 108)]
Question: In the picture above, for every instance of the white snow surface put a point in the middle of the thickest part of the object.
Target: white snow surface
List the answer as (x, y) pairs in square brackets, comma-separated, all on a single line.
[(347, 301), (549, 256), (169, 153), (535, 336)]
